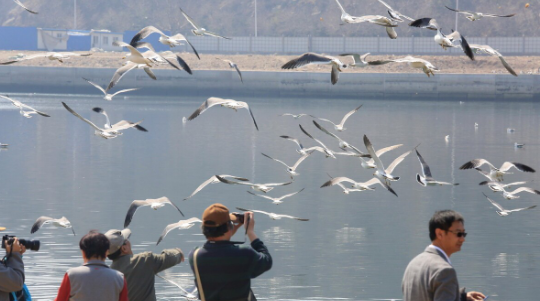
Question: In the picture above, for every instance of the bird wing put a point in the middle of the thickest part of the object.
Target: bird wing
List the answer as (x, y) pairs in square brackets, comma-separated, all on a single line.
[(476, 163), (182, 64), (168, 229), (239, 73), (24, 58), (191, 45), (464, 44), (190, 20), (252, 117), (81, 118), (39, 222), (123, 125), (221, 179), (395, 163), (387, 149), (382, 62), (26, 8), (526, 189), (425, 23), (291, 194), (32, 109), (497, 205), (260, 195), (213, 34), (119, 73), (349, 115), (318, 141), (521, 209), (337, 180), (334, 75), (257, 211), (125, 90), (322, 119), (173, 283), (143, 33), (96, 85), (507, 66), (293, 217), (521, 167), (325, 130), (210, 102), (300, 161), (425, 168), (101, 111), (493, 183), (277, 184), (460, 11), (275, 159), (385, 4), (500, 16), (131, 211), (306, 59), (15, 102), (355, 56), (166, 200), (134, 52), (293, 140), (371, 151)]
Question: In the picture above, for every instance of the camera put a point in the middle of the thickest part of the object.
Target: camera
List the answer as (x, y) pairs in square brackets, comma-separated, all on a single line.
[(29, 244), (239, 217)]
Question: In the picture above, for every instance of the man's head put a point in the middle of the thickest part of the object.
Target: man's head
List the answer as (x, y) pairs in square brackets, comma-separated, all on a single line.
[(94, 245), (447, 231), (119, 243), (218, 222)]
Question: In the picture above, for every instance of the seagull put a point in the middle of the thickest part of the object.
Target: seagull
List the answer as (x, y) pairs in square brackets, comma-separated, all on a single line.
[(213, 180), (108, 124), (359, 60), (342, 143), (508, 130), (182, 224), (120, 72), (358, 185), (258, 187), (171, 41), (228, 103), (394, 14), (339, 127), (26, 8), (153, 203), (295, 116), (375, 19), (59, 56), (107, 95), (345, 17), (497, 172), (447, 138), (518, 145), (499, 187), (301, 150), (190, 296), (233, 65), (107, 133), (276, 201), (381, 173), (473, 16), (150, 57), (327, 151), (22, 107), (371, 163), (199, 31), (274, 216), (3, 145), (59, 222), (317, 59), (290, 169), (503, 211), (426, 179), (488, 50), (509, 195), (413, 62)]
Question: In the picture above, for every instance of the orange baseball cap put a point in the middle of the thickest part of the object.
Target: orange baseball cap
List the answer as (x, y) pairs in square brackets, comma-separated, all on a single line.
[(216, 215)]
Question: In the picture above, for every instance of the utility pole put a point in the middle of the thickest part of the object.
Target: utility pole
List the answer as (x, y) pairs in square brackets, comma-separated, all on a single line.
[(255, 18), (75, 14), (457, 14)]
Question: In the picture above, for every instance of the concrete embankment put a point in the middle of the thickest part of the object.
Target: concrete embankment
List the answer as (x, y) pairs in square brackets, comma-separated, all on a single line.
[(275, 84)]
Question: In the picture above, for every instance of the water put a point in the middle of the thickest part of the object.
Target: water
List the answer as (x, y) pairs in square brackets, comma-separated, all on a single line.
[(355, 247)]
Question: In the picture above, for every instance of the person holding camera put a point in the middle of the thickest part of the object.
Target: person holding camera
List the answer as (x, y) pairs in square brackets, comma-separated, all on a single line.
[(224, 269), (11, 268), (139, 269)]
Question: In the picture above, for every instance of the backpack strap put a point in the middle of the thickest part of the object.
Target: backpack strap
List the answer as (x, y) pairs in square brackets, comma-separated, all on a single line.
[(199, 284)]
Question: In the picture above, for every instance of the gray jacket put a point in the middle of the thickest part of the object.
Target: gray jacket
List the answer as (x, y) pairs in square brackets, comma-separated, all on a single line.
[(429, 277), (11, 276)]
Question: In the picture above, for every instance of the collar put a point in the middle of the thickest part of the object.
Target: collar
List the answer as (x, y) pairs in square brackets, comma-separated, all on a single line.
[(442, 252), (96, 262)]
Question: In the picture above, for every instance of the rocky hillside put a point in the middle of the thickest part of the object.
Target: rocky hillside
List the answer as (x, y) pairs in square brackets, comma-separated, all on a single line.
[(275, 17)]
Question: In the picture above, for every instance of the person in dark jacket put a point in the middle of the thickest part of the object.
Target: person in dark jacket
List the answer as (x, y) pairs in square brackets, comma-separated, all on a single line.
[(226, 268), (12, 270)]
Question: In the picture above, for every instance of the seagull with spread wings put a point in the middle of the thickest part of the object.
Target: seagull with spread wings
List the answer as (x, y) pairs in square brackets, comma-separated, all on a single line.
[(213, 180), (488, 50), (58, 56), (473, 16), (340, 126), (275, 216), (381, 173), (413, 62), (375, 19), (108, 124), (22, 107), (257, 187), (426, 179), (278, 200), (495, 172), (510, 195), (359, 60), (295, 116), (153, 203), (371, 163), (62, 222), (228, 103), (317, 59), (358, 185), (171, 41), (234, 66), (505, 212), (290, 169), (182, 225), (107, 95), (200, 31)]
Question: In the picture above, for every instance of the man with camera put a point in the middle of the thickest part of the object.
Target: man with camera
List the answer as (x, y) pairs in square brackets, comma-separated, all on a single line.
[(224, 269), (12, 267)]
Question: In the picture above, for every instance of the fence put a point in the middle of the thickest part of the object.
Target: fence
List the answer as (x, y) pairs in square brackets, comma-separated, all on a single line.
[(376, 45)]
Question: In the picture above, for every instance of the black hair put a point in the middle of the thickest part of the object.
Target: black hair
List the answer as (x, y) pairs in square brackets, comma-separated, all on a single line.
[(94, 244), (443, 220), (212, 232)]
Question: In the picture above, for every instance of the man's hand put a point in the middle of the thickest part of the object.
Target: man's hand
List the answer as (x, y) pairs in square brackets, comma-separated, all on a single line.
[(15, 247), (180, 250), (475, 296), (249, 225)]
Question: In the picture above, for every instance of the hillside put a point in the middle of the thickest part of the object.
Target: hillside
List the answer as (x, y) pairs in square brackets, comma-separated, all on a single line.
[(275, 17)]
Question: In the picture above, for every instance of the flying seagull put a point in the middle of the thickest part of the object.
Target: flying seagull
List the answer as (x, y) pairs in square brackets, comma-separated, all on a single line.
[(394, 14), (317, 59), (213, 180), (507, 194), (258, 187), (182, 224), (342, 143), (301, 150), (371, 163), (413, 62), (290, 169), (199, 31), (504, 212), (150, 58), (488, 50), (375, 19), (171, 41), (107, 95), (107, 133), (381, 173), (59, 222), (473, 16), (233, 65), (153, 203), (498, 173), (359, 60), (274, 216), (108, 124), (295, 116), (190, 296), (426, 179), (58, 56), (358, 185), (276, 201), (340, 126), (120, 72), (327, 151), (26, 8), (22, 107), (228, 103)]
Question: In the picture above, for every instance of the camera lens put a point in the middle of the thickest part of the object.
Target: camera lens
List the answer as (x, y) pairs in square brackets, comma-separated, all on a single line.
[(32, 245)]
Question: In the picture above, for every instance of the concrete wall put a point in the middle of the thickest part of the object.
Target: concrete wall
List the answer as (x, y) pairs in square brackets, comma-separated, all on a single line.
[(288, 84)]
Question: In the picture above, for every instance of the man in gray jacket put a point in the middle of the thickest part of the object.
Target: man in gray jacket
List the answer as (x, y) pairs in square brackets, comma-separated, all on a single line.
[(12, 270), (139, 269), (430, 275)]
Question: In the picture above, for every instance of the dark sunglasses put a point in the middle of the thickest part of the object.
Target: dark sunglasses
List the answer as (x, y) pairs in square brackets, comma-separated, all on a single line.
[(459, 234)]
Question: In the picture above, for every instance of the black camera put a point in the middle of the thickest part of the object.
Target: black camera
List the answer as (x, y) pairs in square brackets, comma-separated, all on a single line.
[(29, 244), (239, 217)]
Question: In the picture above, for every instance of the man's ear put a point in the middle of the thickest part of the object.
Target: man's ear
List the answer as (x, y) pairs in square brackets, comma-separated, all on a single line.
[(438, 233)]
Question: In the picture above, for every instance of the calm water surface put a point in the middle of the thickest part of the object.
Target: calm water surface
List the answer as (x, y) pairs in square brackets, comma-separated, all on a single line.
[(355, 247)]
